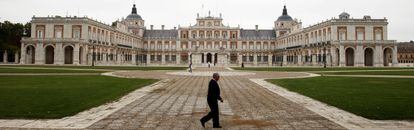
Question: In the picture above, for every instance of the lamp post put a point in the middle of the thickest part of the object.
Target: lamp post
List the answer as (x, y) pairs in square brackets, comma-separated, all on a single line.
[(324, 56), (93, 54)]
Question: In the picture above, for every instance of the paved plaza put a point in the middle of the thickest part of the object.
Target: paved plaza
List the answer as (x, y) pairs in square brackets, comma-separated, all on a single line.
[(181, 103)]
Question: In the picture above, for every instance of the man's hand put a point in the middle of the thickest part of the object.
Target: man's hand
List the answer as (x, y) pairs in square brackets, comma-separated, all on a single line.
[(221, 100)]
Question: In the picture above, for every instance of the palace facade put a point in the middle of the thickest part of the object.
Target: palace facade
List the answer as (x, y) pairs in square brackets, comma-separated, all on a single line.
[(342, 41)]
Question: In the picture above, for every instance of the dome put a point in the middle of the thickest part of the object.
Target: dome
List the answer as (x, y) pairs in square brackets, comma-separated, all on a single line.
[(285, 16), (134, 15), (344, 15)]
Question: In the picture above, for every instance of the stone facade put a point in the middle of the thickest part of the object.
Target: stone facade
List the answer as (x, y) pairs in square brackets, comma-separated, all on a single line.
[(342, 41)]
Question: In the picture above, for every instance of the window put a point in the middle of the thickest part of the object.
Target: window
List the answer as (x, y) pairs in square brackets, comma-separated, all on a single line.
[(251, 58), (159, 46), (378, 33), (360, 33), (342, 36), (173, 57), (342, 33), (166, 46), (39, 33)]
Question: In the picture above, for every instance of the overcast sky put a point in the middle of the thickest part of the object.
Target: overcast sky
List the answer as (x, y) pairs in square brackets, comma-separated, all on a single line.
[(246, 13)]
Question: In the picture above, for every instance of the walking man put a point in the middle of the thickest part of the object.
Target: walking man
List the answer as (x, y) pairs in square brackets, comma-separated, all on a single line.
[(190, 67), (212, 99)]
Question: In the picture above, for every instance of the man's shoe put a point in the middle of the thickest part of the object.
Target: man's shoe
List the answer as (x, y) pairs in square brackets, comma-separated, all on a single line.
[(217, 127), (203, 124)]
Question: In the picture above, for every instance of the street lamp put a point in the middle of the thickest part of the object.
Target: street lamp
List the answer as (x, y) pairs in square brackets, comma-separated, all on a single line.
[(93, 54), (324, 56)]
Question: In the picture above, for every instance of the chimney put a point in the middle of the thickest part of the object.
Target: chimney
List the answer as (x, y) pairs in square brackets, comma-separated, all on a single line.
[(162, 27), (152, 27), (257, 27)]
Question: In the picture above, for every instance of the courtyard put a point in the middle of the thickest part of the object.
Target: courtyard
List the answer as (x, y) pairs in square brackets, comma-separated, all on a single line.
[(84, 97)]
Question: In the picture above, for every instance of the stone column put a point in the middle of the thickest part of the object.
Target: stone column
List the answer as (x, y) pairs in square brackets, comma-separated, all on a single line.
[(40, 54), (269, 59), (134, 59), (359, 57), (59, 57), (178, 58), (148, 58), (255, 59), (212, 58), (239, 58), (76, 54), (84, 54), (162, 58), (332, 57), (23, 54), (314, 59), (5, 56), (378, 56), (284, 62), (299, 60), (394, 56), (16, 57), (104, 62), (341, 56), (119, 58)]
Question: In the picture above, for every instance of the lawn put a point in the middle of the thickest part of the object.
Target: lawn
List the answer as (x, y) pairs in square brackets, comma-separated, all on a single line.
[(42, 70), (373, 98), (311, 69), (401, 73), (104, 67), (48, 97)]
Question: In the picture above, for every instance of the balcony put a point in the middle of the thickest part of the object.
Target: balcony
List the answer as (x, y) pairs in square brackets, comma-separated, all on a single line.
[(53, 40)]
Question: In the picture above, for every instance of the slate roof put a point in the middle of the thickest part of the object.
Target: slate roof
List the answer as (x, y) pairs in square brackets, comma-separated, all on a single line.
[(406, 47), (257, 34), (161, 34)]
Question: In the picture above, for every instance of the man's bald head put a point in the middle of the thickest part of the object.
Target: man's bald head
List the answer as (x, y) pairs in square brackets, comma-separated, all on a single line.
[(216, 76)]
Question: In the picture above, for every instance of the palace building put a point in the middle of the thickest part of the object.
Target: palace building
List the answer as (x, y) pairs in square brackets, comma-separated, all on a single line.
[(342, 41)]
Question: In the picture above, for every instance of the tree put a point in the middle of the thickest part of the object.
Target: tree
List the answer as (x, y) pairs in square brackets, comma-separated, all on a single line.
[(11, 34)]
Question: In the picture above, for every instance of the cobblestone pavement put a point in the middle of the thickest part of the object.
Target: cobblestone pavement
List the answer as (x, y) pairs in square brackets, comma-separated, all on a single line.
[(182, 102)]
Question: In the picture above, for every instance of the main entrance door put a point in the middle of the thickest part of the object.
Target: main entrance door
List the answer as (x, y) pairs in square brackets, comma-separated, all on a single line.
[(209, 58)]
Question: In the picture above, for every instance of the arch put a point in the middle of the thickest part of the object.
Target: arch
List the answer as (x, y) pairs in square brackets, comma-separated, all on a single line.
[(202, 58), (369, 57), (49, 54), (215, 58), (10, 56), (80, 55), (30, 54), (68, 55), (337, 57), (209, 58), (388, 56), (349, 56)]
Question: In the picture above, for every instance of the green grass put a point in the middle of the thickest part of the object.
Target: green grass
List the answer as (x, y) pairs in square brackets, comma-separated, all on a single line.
[(51, 70), (49, 97), (373, 98), (401, 73), (307, 69)]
